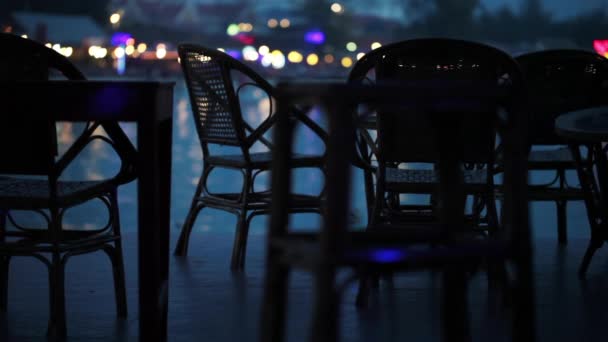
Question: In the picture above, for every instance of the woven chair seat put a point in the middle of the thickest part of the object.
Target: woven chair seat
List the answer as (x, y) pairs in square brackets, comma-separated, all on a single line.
[(262, 160), (549, 159), (427, 180), (41, 241), (27, 193)]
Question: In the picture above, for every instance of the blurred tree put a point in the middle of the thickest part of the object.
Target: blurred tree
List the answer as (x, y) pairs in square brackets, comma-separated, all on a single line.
[(336, 27), (97, 9), (535, 19), (444, 17)]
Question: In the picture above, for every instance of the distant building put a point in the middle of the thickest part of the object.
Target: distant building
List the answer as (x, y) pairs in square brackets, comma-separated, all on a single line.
[(72, 30)]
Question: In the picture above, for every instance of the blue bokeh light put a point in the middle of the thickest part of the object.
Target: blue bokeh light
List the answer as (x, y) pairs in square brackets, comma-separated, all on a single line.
[(387, 255)]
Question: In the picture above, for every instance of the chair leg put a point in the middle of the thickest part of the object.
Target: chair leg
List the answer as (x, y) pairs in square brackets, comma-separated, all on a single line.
[(240, 239), (242, 227), (562, 234), (181, 249), (593, 246), (57, 322), (243, 247), (116, 257)]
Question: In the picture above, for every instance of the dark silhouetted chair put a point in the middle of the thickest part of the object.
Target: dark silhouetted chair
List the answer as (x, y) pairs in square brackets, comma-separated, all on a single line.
[(559, 81), (214, 80), (30, 171), (414, 172), (483, 92)]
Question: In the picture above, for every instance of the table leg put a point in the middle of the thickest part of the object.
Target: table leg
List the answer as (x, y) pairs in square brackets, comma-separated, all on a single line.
[(154, 189)]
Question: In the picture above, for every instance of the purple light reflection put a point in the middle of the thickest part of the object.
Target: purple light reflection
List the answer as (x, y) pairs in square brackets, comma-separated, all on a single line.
[(387, 255), (234, 54), (120, 38), (315, 37)]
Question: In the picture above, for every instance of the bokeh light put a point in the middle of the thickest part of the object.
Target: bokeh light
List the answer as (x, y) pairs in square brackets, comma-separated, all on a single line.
[(346, 62), (161, 51), (114, 18), (142, 47), (312, 59), (272, 23), (337, 8), (232, 30), (295, 57), (263, 50)]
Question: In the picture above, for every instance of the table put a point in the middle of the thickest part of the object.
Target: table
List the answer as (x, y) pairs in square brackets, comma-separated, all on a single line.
[(589, 128), (338, 99), (150, 105)]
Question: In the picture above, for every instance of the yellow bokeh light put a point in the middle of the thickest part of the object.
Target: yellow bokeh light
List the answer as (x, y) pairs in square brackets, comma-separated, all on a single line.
[(114, 18), (129, 50), (360, 55), (272, 23), (245, 27), (312, 59), (295, 57), (376, 45), (142, 47), (119, 52), (263, 50), (328, 58), (337, 8), (285, 23), (346, 62), (161, 51)]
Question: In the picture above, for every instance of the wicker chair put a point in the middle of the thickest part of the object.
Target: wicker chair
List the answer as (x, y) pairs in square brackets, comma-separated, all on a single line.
[(387, 245), (559, 81), (211, 76), (413, 143), (30, 172)]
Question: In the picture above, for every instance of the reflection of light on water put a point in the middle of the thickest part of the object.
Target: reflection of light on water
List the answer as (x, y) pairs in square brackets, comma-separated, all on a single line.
[(195, 153), (182, 118), (65, 133), (263, 108)]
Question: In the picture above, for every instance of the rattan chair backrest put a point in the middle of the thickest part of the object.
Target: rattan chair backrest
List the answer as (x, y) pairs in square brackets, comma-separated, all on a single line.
[(408, 135), (28, 142), (215, 105), (560, 81)]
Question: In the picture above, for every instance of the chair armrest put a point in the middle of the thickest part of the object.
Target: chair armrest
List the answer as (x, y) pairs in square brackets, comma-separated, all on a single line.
[(120, 144)]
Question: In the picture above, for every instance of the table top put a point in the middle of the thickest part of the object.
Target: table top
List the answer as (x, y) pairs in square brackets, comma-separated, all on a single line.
[(584, 125), (113, 100), (436, 94)]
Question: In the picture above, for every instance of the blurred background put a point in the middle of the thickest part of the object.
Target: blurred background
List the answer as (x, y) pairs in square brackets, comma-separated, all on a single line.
[(139, 37)]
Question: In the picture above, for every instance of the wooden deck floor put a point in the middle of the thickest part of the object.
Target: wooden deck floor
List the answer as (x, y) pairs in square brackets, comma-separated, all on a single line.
[(208, 303)]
